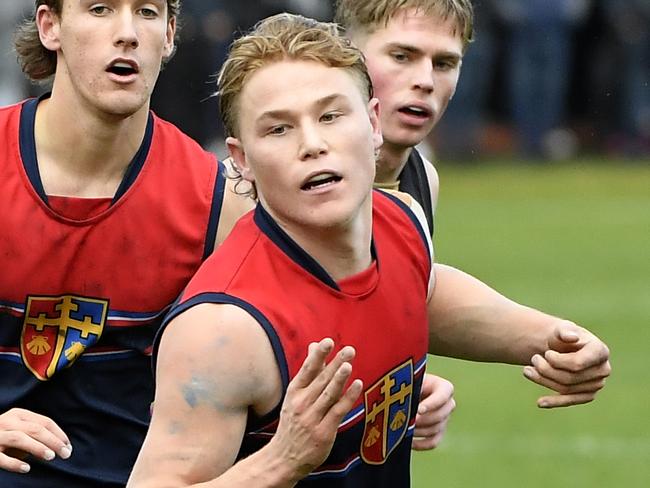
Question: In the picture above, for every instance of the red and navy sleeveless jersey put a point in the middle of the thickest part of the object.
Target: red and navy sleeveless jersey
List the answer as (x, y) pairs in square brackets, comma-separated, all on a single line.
[(81, 298), (381, 312)]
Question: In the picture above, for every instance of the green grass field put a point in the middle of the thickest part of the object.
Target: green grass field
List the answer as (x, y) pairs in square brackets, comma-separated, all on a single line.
[(573, 240)]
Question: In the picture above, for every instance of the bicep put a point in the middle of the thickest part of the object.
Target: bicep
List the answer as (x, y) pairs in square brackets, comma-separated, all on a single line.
[(200, 407)]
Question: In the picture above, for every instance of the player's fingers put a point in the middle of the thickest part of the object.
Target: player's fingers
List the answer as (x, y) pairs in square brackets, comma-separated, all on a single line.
[(555, 401), (551, 371), (430, 430), (427, 443), (326, 376), (13, 464), (345, 403), (333, 389), (592, 355), (436, 392), (26, 421), (433, 417), (34, 440), (592, 386), (313, 363), (35, 434)]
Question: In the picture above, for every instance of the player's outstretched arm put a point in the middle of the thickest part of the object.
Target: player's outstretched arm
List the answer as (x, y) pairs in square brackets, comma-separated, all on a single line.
[(215, 364), (24, 433), (470, 320)]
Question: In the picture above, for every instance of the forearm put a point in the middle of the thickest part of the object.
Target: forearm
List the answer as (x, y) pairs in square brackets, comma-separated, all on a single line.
[(262, 469), (470, 320)]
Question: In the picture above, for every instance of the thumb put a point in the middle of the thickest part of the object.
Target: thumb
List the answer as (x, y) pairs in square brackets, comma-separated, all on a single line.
[(565, 337)]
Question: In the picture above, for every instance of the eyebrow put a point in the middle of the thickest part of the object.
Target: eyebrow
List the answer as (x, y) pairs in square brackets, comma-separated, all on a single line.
[(320, 103)]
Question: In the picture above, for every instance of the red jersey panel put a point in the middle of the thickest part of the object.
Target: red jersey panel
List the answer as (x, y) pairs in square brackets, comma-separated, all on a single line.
[(83, 289), (381, 312)]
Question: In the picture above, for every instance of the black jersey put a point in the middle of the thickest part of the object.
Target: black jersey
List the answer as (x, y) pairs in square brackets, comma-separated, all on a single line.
[(413, 180)]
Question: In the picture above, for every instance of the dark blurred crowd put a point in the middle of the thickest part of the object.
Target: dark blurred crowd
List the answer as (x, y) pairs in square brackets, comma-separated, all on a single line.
[(544, 79), (552, 79)]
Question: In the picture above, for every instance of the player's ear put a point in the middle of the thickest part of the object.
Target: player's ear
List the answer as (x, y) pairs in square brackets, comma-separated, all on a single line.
[(49, 25), (169, 38), (373, 113), (238, 156)]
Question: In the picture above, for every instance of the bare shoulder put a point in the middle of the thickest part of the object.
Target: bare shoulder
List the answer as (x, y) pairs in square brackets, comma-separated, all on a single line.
[(405, 198), (217, 353), (411, 203), (215, 364)]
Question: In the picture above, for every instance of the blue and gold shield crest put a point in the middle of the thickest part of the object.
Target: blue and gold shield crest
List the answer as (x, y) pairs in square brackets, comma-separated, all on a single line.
[(388, 411), (57, 330)]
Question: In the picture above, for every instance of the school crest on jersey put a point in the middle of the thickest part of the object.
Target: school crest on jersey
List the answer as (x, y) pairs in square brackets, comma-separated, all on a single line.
[(57, 330), (388, 411)]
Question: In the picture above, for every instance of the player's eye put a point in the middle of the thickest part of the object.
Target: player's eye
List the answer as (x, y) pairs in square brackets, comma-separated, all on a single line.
[(446, 64), (277, 130), (99, 9), (148, 12), (330, 116), (399, 56)]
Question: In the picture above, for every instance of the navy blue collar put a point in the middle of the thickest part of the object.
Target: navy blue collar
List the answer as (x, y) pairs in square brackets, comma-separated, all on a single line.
[(30, 160), (297, 254)]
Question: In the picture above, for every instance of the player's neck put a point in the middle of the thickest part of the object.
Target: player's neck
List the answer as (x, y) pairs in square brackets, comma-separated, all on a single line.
[(342, 251), (392, 159), (90, 156)]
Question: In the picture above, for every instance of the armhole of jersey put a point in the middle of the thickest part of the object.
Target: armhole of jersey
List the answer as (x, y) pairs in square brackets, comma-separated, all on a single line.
[(423, 187), (419, 213), (225, 299), (429, 167), (414, 211), (215, 211)]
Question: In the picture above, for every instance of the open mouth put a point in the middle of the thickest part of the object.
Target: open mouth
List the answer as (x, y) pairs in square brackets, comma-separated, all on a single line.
[(122, 68), (320, 181), (416, 111)]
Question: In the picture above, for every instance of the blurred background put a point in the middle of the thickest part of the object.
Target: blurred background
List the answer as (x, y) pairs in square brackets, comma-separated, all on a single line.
[(544, 160), (544, 80)]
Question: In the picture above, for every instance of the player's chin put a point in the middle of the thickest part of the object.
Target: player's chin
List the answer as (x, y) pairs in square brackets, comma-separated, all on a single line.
[(407, 137)]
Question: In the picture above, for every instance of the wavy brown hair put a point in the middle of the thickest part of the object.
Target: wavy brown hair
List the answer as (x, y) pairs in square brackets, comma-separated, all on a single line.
[(366, 16), (39, 63)]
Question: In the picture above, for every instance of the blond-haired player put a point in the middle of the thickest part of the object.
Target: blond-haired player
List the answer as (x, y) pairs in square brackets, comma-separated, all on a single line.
[(327, 281)]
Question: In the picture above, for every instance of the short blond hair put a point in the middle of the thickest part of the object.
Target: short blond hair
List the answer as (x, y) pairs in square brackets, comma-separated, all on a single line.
[(366, 16), (284, 37)]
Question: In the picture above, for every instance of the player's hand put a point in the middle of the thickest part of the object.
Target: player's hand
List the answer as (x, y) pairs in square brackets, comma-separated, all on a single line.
[(24, 433), (436, 404), (315, 403), (575, 365)]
